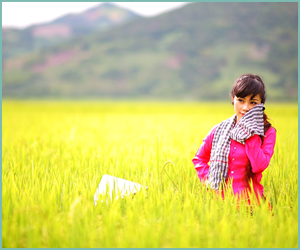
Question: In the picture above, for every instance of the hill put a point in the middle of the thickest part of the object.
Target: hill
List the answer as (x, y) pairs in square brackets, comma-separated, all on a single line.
[(35, 37), (195, 52)]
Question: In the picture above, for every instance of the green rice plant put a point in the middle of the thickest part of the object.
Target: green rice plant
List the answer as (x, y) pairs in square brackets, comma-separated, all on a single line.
[(55, 153)]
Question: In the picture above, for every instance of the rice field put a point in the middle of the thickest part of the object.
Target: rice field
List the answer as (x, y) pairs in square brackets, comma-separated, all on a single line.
[(54, 154)]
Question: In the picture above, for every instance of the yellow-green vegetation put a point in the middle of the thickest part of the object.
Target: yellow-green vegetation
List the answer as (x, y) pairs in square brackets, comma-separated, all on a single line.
[(55, 153)]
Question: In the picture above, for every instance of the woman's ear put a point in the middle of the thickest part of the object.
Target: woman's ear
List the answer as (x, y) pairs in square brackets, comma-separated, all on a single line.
[(232, 99)]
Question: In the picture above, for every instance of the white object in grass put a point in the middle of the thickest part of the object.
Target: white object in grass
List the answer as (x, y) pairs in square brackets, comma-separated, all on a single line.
[(121, 187)]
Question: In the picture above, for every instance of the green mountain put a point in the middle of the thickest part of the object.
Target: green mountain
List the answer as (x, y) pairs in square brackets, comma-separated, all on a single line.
[(195, 52), (102, 17)]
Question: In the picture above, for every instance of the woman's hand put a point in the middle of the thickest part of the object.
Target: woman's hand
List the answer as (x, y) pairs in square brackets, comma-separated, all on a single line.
[(251, 123)]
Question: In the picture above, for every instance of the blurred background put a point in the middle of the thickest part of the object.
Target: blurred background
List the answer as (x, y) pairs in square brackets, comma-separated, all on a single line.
[(185, 51)]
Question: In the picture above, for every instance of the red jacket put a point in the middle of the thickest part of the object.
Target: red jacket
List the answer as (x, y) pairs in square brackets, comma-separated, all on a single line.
[(258, 154)]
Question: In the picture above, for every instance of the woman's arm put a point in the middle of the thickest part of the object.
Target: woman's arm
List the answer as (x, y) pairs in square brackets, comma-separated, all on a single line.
[(202, 156), (260, 155)]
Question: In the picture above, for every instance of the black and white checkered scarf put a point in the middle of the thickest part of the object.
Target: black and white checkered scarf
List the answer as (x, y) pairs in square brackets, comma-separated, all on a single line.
[(251, 123)]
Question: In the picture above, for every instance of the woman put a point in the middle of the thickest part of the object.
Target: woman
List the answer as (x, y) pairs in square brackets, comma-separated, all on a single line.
[(239, 149)]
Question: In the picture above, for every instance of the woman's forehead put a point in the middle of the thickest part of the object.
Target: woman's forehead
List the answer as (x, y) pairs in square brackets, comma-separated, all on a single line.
[(251, 97)]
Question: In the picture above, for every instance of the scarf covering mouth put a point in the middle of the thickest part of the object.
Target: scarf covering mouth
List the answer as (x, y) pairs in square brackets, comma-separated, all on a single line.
[(251, 123)]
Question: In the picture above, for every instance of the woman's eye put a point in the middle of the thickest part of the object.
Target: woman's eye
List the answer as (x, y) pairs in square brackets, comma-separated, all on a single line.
[(240, 100), (253, 103)]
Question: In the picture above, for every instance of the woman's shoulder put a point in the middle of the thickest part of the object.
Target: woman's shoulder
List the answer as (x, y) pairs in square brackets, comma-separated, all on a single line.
[(271, 130), (271, 134), (213, 129), (210, 135)]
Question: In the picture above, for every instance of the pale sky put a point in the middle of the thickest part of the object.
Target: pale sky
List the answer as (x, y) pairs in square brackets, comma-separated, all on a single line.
[(24, 14)]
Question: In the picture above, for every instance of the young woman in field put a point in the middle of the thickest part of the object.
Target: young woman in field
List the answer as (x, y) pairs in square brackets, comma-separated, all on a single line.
[(239, 148)]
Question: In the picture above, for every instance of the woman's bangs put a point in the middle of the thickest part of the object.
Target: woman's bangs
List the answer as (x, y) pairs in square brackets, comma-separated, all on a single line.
[(248, 87)]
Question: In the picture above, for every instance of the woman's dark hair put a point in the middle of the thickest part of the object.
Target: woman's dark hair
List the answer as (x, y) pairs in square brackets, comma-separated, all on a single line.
[(249, 84)]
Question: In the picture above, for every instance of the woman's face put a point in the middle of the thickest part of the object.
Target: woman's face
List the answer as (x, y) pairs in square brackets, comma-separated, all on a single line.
[(243, 104)]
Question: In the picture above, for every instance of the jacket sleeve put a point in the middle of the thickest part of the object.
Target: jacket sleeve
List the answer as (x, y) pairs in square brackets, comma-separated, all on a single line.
[(202, 156), (260, 155)]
